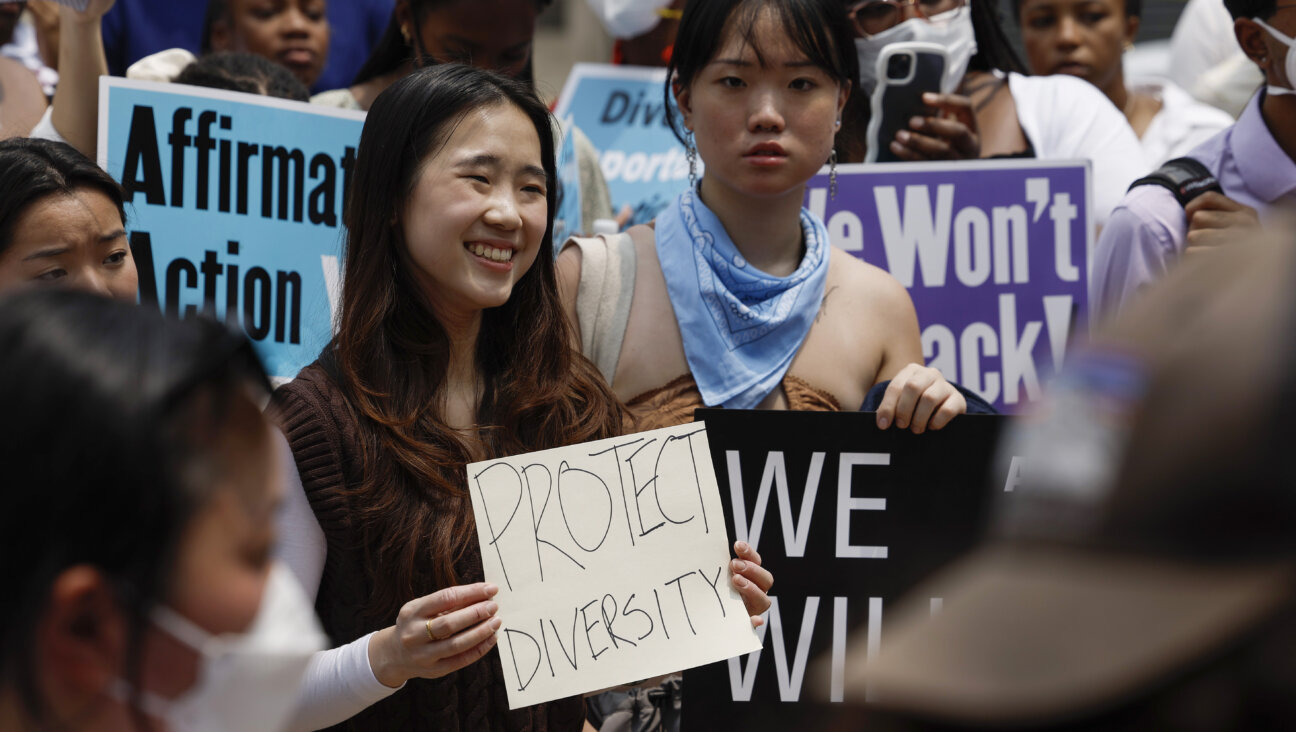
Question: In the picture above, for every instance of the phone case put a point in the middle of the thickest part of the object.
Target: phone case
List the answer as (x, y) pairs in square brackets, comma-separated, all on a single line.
[(898, 95)]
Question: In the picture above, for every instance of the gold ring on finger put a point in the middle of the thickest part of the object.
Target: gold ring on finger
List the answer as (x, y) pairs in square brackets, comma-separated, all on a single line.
[(431, 638)]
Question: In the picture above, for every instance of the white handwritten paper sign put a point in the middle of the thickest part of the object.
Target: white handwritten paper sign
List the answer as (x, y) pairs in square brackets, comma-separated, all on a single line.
[(612, 561)]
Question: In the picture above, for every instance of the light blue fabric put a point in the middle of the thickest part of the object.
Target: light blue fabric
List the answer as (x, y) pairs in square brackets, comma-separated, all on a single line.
[(741, 327)]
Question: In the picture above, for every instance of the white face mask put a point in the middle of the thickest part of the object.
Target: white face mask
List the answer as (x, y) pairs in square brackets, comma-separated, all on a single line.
[(1289, 64), (247, 681), (951, 29), (628, 18)]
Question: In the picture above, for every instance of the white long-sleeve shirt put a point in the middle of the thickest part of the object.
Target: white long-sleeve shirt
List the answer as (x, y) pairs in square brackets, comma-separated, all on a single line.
[(339, 683)]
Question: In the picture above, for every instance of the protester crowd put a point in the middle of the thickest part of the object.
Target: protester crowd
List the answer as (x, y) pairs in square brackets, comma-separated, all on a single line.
[(173, 520)]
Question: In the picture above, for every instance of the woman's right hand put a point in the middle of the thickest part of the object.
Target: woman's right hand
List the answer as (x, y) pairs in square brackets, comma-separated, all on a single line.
[(436, 634), (950, 134), (918, 399)]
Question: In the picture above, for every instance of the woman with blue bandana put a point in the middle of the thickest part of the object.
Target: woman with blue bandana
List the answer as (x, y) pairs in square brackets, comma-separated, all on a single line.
[(733, 296)]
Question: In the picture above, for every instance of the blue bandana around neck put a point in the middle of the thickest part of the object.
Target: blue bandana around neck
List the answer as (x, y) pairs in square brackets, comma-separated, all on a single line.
[(741, 327)]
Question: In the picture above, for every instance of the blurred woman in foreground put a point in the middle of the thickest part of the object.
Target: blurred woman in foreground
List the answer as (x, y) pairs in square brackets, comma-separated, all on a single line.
[(135, 540)]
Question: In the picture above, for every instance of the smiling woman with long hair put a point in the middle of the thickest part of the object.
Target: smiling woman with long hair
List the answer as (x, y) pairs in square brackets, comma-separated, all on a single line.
[(452, 347)]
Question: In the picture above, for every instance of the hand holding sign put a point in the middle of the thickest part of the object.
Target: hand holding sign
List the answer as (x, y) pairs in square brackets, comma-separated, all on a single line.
[(752, 580), (917, 398), (436, 634)]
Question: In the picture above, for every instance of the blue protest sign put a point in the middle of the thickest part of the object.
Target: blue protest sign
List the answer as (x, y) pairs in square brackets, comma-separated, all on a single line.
[(621, 110), (994, 254), (235, 207), (567, 219)]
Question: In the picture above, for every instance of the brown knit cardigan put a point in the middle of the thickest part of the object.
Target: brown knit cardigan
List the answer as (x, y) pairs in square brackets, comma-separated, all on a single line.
[(325, 442)]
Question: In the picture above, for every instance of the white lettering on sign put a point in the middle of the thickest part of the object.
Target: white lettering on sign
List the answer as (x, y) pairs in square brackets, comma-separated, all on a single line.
[(845, 230), (790, 675), (637, 167), (795, 532), (989, 245), (796, 529), (847, 503), (1009, 344), (1014, 478)]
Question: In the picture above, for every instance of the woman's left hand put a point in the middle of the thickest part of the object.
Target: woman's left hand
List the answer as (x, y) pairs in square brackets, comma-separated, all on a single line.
[(919, 398), (950, 134), (752, 581)]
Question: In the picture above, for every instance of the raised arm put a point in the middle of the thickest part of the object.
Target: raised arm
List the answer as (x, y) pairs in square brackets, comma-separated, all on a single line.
[(75, 112)]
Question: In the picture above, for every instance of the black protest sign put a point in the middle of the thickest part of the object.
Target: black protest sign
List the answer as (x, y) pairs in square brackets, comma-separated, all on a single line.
[(847, 517)]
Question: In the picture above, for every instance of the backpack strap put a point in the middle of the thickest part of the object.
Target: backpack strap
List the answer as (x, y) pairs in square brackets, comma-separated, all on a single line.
[(1186, 178), (603, 297)]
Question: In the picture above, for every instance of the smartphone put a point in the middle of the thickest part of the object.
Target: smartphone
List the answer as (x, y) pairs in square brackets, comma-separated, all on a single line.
[(905, 71)]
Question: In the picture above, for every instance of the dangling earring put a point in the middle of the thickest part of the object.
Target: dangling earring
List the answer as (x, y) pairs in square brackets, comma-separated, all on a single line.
[(405, 33), (832, 175), (692, 161)]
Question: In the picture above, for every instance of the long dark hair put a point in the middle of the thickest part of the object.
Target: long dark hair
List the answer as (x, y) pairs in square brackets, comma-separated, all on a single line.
[(31, 169), (393, 354), (243, 72), (818, 28), (994, 49), (108, 440), (392, 49)]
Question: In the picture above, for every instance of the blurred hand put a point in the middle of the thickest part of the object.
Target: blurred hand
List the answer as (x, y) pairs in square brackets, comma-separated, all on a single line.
[(950, 134), (44, 14), (54, 12), (436, 634), (752, 581), (45, 21), (919, 398), (624, 216), (1215, 219), (95, 10)]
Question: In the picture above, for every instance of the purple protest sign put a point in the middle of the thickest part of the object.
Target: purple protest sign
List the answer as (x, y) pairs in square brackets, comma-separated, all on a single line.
[(994, 254)]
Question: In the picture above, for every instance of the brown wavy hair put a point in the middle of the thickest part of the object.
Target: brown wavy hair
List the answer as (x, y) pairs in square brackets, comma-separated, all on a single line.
[(392, 354)]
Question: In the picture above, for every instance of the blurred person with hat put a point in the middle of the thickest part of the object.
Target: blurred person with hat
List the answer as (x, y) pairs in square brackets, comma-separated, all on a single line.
[(1146, 576)]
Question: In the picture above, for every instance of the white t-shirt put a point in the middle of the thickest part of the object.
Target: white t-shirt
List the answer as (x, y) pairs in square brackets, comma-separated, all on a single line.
[(1182, 124), (1206, 61), (1066, 118)]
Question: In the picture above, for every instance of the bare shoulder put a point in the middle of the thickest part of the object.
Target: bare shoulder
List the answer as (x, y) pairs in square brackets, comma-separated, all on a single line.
[(867, 287), (644, 237)]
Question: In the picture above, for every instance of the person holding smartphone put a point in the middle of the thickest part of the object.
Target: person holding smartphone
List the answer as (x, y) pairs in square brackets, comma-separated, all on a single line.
[(987, 105)]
